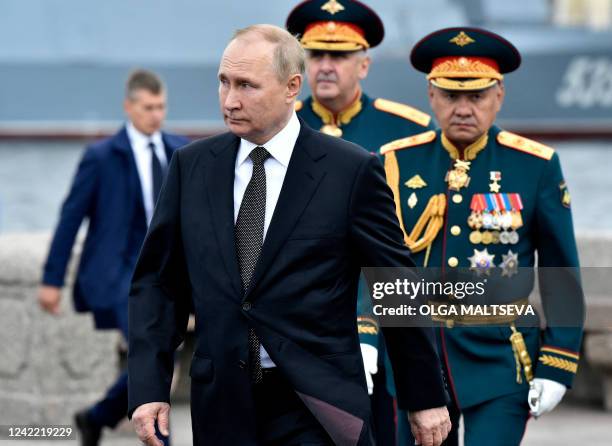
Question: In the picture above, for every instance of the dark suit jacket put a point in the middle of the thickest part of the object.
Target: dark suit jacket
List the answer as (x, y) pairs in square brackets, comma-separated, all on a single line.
[(106, 191), (334, 214)]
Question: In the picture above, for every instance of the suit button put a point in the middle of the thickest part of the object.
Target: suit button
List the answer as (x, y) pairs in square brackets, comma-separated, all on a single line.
[(242, 364), (457, 198), (246, 306), (453, 262), (455, 230)]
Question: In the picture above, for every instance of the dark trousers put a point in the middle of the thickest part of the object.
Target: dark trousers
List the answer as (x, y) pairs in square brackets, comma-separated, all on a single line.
[(282, 417), (498, 422), (383, 409)]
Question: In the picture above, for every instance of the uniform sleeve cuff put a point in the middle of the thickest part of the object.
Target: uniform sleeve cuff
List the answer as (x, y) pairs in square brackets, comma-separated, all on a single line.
[(557, 364)]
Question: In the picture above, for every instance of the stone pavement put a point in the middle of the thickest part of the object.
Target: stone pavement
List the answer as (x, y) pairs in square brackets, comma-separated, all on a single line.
[(568, 425)]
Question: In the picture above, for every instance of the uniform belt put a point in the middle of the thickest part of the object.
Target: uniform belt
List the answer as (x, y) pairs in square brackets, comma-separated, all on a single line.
[(476, 319)]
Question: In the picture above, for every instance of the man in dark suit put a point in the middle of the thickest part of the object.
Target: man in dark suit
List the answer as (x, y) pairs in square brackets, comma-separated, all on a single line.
[(115, 189), (263, 231)]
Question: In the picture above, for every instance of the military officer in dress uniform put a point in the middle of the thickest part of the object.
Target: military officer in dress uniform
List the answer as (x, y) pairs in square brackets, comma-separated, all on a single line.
[(471, 195), (336, 35)]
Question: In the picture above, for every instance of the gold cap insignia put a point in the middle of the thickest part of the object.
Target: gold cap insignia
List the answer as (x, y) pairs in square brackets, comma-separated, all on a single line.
[(462, 39), (332, 6), (416, 182)]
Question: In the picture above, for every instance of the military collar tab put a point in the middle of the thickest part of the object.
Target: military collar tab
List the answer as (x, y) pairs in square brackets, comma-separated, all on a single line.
[(470, 152), (341, 118)]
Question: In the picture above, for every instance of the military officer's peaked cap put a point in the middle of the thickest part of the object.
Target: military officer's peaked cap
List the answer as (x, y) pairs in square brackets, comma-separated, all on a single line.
[(464, 58), (335, 25)]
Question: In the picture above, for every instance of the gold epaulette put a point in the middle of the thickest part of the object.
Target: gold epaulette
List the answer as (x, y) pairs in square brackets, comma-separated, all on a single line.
[(298, 105), (411, 141), (403, 111), (525, 145)]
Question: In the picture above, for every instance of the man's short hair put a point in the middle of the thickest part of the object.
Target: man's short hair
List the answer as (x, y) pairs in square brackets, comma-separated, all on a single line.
[(289, 57), (143, 80)]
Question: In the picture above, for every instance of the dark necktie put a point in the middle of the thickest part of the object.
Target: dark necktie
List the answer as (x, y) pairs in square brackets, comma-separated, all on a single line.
[(249, 232), (156, 171)]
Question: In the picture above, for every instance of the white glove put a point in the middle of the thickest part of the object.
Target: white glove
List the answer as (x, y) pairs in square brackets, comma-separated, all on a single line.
[(544, 395), (369, 354)]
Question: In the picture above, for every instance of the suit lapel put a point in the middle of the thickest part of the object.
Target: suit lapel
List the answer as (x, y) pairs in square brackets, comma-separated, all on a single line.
[(121, 145), (220, 189), (301, 181), (168, 147)]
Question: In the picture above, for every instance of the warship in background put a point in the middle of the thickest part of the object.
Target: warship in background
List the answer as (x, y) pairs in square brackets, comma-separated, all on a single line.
[(63, 63)]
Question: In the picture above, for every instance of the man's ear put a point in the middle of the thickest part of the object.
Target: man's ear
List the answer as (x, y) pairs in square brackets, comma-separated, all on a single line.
[(501, 94), (127, 106), (430, 92), (294, 86), (364, 66)]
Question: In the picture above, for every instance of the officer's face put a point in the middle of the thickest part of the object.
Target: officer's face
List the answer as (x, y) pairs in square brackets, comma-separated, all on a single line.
[(334, 75), (146, 110), (255, 103), (464, 116)]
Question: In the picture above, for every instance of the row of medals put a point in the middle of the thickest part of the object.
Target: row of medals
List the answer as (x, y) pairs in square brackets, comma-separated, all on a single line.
[(497, 227)]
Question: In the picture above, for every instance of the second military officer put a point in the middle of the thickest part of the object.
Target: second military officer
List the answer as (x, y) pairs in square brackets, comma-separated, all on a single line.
[(471, 195)]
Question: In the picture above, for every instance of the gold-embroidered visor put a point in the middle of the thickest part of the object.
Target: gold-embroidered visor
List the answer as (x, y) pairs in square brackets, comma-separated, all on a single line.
[(334, 36), (464, 73)]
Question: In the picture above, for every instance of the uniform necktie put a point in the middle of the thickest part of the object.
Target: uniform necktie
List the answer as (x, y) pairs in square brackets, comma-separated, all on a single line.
[(157, 172), (249, 233)]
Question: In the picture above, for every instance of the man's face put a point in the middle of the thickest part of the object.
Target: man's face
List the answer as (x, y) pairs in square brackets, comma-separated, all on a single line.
[(336, 74), (254, 102), (464, 116), (146, 110)]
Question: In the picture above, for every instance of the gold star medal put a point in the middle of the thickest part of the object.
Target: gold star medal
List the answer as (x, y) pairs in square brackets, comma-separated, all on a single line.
[(495, 178), (458, 177), (482, 262), (509, 264)]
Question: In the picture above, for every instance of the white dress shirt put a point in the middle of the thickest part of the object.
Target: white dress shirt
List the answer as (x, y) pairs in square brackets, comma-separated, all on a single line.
[(280, 148), (142, 155)]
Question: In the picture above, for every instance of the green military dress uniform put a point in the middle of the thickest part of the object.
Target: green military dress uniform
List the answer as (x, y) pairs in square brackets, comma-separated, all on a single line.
[(481, 362), (489, 210)]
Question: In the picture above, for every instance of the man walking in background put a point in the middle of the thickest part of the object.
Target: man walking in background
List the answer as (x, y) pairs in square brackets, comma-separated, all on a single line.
[(115, 189)]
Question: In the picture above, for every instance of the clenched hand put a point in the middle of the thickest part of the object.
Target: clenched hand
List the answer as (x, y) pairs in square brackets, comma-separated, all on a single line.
[(430, 427), (144, 418)]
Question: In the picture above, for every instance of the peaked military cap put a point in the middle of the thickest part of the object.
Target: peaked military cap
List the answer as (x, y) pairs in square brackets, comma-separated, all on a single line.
[(464, 58), (335, 25)]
